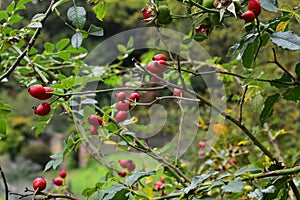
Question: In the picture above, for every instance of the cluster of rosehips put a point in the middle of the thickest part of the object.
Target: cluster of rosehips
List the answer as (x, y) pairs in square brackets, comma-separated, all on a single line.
[(128, 164), (95, 121), (254, 9), (162, 14), (41, 93), (124, 105), (158, 66), (39, 184)]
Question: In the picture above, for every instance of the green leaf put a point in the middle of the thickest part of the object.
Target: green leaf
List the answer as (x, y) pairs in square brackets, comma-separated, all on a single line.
[(287, 40), (11, 7), (116, 192), (77, 15), (297, 16), (257, 103), (268, 108), (95, 30), (122, 48), (57, 159), (292, 94), (89, 191), (5, 109), (137, 176), (15, 18), (285, 78), (21, 3), (249, 53), (76, 40), (58, 3), (60, 45), (234, 186), (269, 5), (100, 9), (49, 47), (233, 49), (200, 37), (198, 179), (3, 15), (3, 127), (246, 169)]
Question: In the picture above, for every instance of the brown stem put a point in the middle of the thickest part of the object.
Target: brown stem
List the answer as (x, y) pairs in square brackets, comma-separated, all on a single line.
[(5, 183), (29, 45), (242, 103)]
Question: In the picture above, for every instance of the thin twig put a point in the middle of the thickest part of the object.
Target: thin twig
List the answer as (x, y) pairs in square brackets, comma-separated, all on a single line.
[(295, 189), (179, 131), (242, 103), (5, 183), (273, 142)]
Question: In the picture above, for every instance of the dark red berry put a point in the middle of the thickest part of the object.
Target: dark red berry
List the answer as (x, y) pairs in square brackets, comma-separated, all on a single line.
[(121, 116), (159, 57), (123, 163), (121, 96), (42, 109), (95, 120), (123, 105), (248, 16), (162, 66), (177, 92), (37, 91), (122, 173), (254, 6), (201, 144), (58, 181), (233, 160), (94, 130), (130, 165), (39, 184), (135, 96), (46, 94), (62, 173)]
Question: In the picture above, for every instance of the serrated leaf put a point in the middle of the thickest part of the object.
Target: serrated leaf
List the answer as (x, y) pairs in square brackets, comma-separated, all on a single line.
[(268, 108), (234, 186), (95, 30), (257, 103), (246, 169), (198, 179), (77, 15), (269, 5), (292, 94), (3, 126), (137, 176), (100, 9), (287, 40), (77, 40)]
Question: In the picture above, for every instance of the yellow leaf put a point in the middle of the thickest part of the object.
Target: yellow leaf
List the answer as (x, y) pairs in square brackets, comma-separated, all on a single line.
[(149, 192), (282, 26), (149, 180), (242, 143), (109, 142), (220, 128)]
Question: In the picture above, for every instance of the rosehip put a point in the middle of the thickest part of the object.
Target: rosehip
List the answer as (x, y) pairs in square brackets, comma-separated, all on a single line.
[(162, 66), (177, 92), (123, 105), (159, 57), (122, 173), (58, 181), (248, 16), (164, 15), (39, 92), (46, 95), (202, 153), (130, 165), (95, 120), (158, 185), (201, 144), (254, 6), (62, 173), (94, 130), (39, 184), (135, 96), (42, 109), (121, 96), (153, 67), (121, 116), (233, 160), (123, 163), (154, 79)]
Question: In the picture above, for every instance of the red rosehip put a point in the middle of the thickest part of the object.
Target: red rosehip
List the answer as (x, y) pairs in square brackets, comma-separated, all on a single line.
[(248, 16), (94, 130), (121, 116), (233, 160), (158, 185), (201, 144), (202, 153), (153, 67), (162, 66), (123, 105), (159, 57), (121, 96), (95, 120), (39, 92), (122, 173), (39, 184), (46, 95), (177, 92), (135, 96), (123, 163), (42, 109), (130, 165), (254, 6), (156, 80), (58, 181), (62, 173)]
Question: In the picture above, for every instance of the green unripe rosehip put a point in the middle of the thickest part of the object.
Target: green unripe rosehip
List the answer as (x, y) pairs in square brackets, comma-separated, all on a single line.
[(214, 18), (164, 15), (208, 3)]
